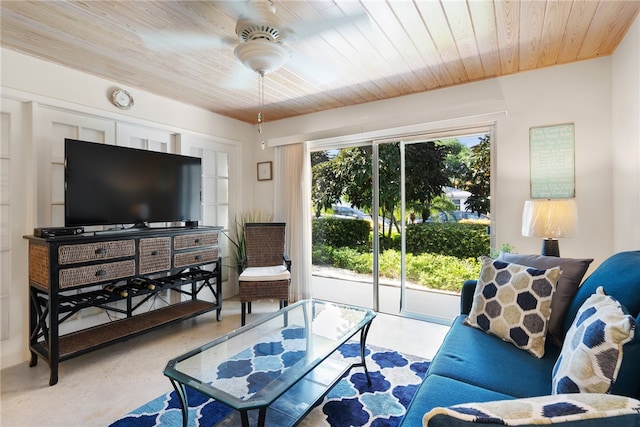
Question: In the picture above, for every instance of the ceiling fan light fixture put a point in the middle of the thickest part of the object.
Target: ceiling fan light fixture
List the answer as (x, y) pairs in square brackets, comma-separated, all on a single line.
[(262, 56)]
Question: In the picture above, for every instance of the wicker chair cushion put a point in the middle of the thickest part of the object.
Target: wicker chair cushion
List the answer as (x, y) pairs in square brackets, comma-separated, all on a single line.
[(265, 274)]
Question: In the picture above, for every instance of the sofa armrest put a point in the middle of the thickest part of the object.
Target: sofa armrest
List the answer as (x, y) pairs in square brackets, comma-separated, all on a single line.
[(466, 296), (583, 409)]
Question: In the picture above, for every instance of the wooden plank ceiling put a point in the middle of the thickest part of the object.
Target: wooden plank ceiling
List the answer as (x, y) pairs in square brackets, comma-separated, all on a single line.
[(181, 49)]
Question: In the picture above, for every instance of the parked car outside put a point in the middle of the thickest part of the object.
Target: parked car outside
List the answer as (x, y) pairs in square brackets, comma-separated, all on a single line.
[(348, 212), (457, 216)]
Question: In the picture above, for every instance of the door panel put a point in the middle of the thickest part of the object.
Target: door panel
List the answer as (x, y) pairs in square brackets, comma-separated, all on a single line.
[(53, 127)]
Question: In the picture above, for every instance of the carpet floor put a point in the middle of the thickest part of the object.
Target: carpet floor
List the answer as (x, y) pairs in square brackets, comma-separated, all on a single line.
[(351, 402)]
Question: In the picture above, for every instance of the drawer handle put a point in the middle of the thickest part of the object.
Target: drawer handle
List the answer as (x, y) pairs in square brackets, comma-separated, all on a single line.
[(197, 257), (197, 241), (155, 253), (101, 251), (101, 273)]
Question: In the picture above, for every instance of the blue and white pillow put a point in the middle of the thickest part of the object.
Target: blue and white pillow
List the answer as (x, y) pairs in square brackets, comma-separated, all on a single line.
[(513, 302), (592, 350)]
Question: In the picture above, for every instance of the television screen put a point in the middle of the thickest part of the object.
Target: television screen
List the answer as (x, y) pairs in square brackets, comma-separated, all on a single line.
[(111, 185)]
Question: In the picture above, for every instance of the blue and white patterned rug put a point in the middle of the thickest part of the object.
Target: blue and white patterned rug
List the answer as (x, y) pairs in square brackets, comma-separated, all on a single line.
[(351, 402)]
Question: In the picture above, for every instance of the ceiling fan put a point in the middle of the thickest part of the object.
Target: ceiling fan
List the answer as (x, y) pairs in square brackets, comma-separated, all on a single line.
[(262, 43)]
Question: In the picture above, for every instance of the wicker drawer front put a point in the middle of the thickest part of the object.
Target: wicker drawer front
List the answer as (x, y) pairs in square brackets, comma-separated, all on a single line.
[(189, 241), (155, 255), (71, 277), (39, 264), (185, 259), (70, 254)]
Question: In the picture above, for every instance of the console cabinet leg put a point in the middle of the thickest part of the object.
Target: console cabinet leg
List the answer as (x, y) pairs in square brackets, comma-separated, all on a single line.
[(53, 376)]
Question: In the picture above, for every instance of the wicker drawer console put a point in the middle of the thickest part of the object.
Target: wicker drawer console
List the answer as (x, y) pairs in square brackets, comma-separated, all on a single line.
[(120, 272)]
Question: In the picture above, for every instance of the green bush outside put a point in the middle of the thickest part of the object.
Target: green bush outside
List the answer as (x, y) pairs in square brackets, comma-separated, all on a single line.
[(456, 239), (339, 232), (439, 255)]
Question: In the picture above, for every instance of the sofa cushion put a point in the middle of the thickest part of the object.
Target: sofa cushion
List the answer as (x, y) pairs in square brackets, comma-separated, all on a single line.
[(561, 408), (573, 270), (593, 349), (619, 275), (628, 381), (513, 302), (438, 391), (471, 356)]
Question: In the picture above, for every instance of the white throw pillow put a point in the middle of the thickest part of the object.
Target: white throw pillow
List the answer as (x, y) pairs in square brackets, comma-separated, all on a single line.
[(592, 350)]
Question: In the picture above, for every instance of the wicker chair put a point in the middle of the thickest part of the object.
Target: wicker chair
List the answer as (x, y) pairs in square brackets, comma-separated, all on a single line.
[(266, 269)]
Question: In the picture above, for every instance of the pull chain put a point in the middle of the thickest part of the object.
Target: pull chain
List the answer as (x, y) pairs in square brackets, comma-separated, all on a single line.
[(261, 108)]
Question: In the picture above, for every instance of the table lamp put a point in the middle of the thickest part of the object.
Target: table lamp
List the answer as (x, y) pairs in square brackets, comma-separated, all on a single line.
[(550, 219)]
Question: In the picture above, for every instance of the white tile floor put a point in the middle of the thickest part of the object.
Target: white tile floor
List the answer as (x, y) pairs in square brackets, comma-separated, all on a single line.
[(97, 388)]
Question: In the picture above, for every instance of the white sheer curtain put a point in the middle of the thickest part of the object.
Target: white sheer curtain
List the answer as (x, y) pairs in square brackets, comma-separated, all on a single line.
[(292, 204)]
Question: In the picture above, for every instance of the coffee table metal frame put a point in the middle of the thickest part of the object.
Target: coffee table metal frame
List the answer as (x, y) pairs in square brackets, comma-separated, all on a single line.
[(323, 337)]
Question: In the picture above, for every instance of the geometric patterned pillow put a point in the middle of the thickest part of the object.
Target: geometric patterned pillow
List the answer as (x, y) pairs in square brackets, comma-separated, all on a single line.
[(551, 409), (573, 270), (513, 302), (592, 351)]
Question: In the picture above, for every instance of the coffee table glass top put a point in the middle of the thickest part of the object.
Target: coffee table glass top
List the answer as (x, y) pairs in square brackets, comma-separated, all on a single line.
[(250, 367)]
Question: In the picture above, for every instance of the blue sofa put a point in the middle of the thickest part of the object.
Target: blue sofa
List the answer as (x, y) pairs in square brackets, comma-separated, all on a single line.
[(473, 366)]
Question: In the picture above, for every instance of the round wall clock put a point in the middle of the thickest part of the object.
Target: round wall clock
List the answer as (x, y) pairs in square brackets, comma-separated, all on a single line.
[(122, 99)]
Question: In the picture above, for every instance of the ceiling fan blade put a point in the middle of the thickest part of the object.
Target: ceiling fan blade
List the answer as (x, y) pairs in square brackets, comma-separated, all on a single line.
[(306, 29), (313, 69), (160, 41), (240, 78), (240, 9)]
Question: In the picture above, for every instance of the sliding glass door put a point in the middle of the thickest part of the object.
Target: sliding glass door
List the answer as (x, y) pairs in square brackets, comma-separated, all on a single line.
[(342, 226), (392, 219)]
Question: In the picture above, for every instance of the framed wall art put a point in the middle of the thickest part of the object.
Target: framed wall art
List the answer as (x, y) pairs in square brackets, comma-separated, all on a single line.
[(552, 161), (265, 171)]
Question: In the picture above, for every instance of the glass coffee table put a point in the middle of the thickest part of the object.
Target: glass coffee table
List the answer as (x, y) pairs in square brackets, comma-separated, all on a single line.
[(280, 363)]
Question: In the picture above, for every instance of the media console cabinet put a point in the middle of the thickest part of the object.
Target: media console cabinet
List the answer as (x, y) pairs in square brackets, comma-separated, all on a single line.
[(121, 272)]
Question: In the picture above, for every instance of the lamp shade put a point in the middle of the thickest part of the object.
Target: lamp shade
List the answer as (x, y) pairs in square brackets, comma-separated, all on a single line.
[(550, 219)]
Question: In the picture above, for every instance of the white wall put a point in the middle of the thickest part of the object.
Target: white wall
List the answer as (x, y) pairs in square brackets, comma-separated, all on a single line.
[(578, 93), (625, 138)]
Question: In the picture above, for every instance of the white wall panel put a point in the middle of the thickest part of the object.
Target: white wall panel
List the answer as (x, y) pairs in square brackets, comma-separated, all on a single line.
[(52, 127), (145, 138), (220, 174), (14, 223)]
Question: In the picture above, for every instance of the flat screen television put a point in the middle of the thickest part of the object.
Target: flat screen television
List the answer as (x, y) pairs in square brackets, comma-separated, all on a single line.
[(112, 185)]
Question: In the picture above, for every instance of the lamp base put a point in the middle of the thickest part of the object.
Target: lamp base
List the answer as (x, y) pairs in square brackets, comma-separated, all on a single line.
[(550, 247)]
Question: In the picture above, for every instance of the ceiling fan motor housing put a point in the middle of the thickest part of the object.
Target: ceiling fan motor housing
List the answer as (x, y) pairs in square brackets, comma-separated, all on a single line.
[(261, 23), (262, 56), (253, 31), (261, 48)]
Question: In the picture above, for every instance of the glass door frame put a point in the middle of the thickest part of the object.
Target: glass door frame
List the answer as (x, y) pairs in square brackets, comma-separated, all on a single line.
[(375, 213), (403, 142)]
